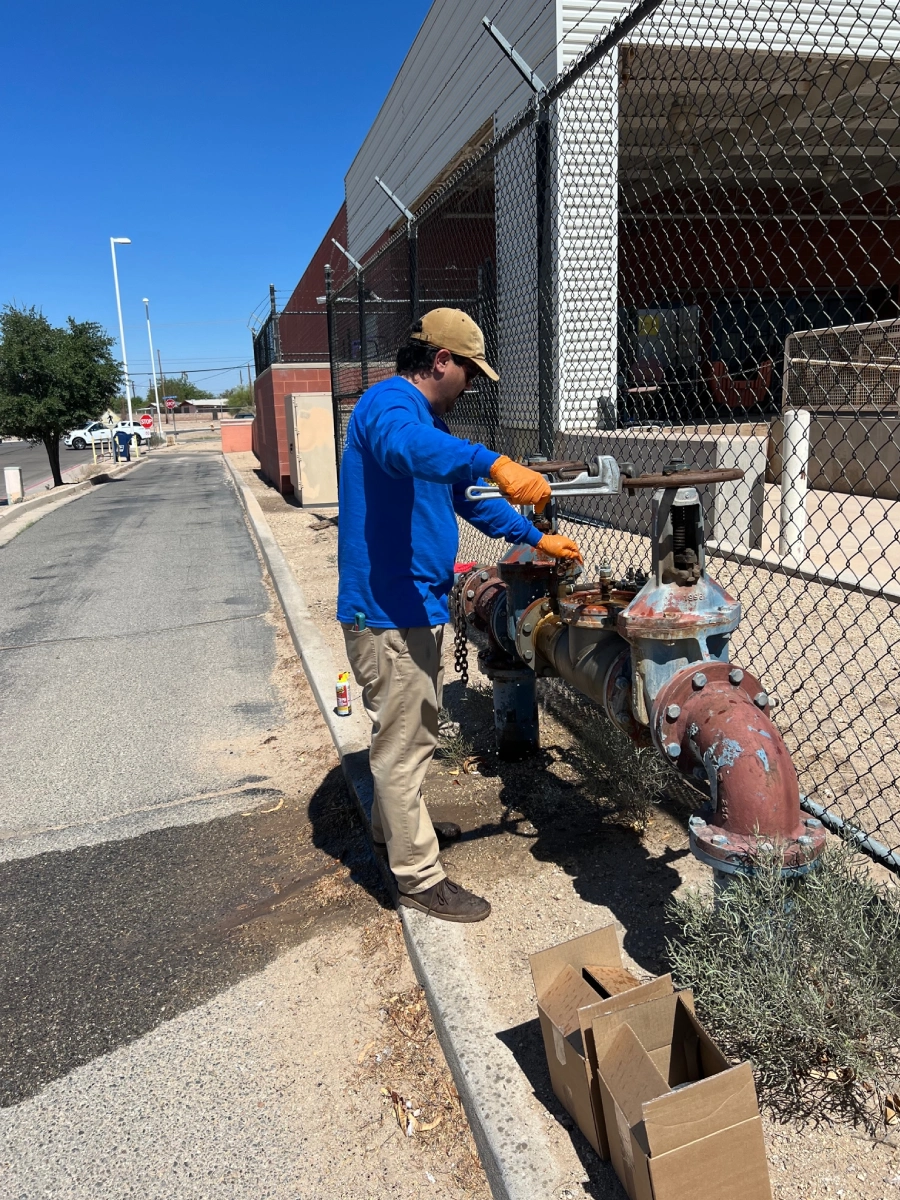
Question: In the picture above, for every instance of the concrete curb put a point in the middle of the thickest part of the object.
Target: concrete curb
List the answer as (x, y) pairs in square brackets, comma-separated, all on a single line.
[(16, 517), (495, 1093)]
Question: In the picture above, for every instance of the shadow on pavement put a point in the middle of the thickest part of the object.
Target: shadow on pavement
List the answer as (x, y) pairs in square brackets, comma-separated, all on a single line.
[(106, 942)]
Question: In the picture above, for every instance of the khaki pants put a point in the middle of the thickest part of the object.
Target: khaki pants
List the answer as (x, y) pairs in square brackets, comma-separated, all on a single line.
[(401, 673)]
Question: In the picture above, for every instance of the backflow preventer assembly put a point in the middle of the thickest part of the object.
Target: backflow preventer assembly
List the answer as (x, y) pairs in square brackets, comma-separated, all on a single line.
[(653, 652)]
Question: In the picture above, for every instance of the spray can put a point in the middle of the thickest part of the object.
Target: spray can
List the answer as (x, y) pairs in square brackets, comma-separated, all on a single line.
[(342, 692)]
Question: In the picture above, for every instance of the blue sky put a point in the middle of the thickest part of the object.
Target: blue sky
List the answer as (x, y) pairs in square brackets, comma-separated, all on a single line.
[(215, 136)]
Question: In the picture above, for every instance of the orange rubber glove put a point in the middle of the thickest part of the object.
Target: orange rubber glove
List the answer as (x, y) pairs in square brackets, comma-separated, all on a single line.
[(520, 484), (559, 546)]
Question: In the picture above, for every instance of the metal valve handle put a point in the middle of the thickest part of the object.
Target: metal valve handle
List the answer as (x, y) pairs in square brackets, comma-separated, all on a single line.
[(602, 478), (680, 479)]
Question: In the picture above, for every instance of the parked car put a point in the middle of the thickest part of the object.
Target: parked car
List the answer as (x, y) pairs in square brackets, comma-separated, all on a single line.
[(139, 431), (77, 439)]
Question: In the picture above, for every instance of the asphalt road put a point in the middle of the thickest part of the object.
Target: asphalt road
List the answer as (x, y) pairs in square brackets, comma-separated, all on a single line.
[(34, 464), (136, 660), (132, 648)]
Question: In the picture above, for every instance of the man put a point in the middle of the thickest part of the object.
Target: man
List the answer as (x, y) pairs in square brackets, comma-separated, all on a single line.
[(403, 481)]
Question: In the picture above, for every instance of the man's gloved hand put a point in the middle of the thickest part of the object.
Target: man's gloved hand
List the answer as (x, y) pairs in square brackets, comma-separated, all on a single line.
[(559, 546), (519, 484)]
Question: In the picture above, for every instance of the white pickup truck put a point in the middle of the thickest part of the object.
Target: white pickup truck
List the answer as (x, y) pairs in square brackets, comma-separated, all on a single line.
[(98, 432)]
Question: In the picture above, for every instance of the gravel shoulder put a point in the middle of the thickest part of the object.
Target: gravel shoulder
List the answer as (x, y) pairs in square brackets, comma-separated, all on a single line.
[(558, 855)]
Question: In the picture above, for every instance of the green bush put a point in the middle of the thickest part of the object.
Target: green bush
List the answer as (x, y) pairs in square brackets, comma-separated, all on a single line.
[(802, 977)]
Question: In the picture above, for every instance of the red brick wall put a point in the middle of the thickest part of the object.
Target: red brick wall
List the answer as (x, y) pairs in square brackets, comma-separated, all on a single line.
[(270, 442), (236, 436)]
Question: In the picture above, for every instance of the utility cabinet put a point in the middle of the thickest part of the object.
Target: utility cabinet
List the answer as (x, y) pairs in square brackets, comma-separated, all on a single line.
[(310, 431)]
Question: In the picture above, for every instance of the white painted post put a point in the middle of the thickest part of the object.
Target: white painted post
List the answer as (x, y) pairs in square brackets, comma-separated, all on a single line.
[(15, 487), (794, 470)]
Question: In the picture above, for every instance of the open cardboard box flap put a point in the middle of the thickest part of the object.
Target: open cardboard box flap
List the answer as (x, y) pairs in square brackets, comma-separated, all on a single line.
[(731, 1164), (601, 947), (682, 1124), (563, 998), (630, 1074), (652, 1023), (699, 1110), (567, 1004)]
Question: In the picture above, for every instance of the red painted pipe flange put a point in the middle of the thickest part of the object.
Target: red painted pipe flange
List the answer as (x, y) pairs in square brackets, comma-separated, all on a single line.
[(711, 722)]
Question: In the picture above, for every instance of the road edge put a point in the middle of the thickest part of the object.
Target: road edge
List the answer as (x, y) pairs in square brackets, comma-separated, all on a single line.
[(495, 1093)]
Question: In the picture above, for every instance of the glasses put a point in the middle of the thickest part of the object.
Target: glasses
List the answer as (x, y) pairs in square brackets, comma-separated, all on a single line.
[(472, 372)]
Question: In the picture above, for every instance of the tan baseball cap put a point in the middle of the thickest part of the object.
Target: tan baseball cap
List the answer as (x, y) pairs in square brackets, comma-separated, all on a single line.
[(450, 329)]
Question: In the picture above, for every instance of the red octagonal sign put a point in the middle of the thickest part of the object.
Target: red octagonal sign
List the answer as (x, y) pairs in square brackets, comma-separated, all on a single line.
[(147, 421)]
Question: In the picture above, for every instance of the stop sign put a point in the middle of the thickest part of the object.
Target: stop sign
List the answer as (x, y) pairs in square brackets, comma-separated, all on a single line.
[(171, 401), (147, 421)]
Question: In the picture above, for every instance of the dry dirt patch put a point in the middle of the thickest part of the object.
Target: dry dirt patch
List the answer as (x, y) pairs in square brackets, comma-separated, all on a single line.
[(558, 853)]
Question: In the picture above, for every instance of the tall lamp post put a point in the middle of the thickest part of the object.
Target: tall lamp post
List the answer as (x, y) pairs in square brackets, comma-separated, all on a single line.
[(113, 242), (153, 369)]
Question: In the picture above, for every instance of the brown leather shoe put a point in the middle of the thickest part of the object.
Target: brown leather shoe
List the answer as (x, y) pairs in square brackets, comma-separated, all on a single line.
[(449, 902)]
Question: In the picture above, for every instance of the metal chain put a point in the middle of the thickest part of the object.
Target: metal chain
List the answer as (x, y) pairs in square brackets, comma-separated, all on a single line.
[(460, 640)]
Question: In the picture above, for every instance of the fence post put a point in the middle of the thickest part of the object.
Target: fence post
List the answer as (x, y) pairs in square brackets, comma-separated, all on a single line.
[(412, 238), (363, 337), (335, 403), (273, 317), (543, 176), (794, 470)]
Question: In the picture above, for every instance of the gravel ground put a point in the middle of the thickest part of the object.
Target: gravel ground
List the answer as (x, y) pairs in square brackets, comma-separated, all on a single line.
[(556, 861)]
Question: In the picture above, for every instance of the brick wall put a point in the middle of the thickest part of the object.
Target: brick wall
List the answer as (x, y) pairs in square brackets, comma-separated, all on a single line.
[(236, 436), (270, 443)]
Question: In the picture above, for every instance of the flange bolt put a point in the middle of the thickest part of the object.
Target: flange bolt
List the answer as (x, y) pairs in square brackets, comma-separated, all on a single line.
[(804, 840), (699, 681), (719, 840), (470, 595), (528, 656), (813, 823), (673, 712), (483, 576), (735, 676), (526, 629), (760, 699), (673, 750)]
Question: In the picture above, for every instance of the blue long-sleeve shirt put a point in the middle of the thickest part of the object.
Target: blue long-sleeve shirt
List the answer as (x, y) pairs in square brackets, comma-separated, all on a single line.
[(403, 481)]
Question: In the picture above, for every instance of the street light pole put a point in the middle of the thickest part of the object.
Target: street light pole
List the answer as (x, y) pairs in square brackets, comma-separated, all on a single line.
[(113, 242), (153, 369)]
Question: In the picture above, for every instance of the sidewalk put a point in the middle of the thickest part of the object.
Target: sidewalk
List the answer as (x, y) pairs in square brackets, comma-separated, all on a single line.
[(547, 845)]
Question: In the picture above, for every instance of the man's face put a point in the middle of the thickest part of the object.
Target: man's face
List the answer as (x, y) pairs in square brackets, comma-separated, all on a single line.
[(456, 374)]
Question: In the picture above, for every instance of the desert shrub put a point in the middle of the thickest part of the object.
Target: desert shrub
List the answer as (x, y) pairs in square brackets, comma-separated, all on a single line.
[(802, 977)]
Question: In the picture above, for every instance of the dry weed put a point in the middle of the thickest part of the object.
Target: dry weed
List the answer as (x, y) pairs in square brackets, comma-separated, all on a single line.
[(405, 1063)]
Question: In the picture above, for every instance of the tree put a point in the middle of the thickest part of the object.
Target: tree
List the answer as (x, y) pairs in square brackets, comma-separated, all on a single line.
[(239, 397), (183, 390), (52, 379)]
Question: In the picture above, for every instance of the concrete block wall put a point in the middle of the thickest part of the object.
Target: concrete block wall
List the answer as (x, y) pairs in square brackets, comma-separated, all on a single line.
[(733, 511), (270, 434), (236, 435)]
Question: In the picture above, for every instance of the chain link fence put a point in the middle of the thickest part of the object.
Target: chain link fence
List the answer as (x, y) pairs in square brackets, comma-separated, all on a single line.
[(686, 246)]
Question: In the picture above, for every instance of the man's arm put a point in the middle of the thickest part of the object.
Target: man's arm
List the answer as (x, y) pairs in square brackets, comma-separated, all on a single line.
[(404, 445), (496, 518)]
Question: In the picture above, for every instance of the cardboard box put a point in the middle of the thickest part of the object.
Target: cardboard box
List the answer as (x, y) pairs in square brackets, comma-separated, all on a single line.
[(682, 1124), (575, 982)]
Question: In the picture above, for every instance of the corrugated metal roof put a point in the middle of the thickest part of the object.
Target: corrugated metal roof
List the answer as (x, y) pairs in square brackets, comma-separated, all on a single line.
[(454, 77)]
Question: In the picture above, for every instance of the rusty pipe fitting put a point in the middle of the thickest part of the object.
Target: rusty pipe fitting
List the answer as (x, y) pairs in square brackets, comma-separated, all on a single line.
[(711, 725)]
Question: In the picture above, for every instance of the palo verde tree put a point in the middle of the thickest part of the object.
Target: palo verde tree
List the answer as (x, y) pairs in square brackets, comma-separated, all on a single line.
[(52, 379)]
